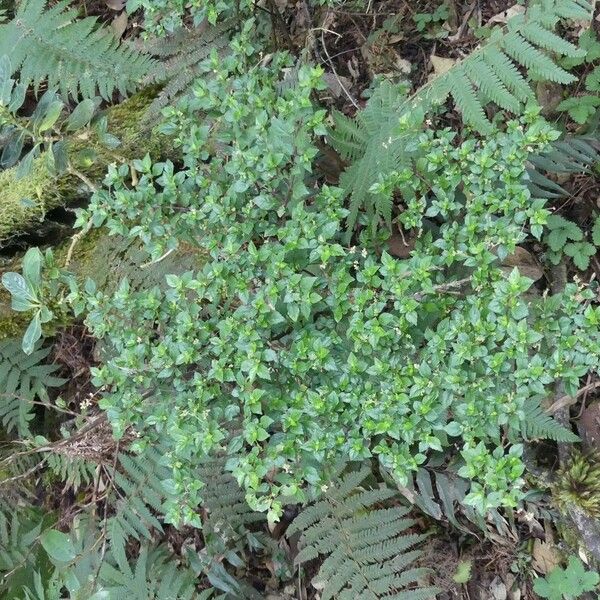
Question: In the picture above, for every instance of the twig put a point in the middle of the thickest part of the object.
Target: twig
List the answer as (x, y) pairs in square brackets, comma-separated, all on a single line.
[(153, 262), (105, 518), (92, 186), (335, 72), (443, 287), (74, 241), (566, 400), (561, 414)]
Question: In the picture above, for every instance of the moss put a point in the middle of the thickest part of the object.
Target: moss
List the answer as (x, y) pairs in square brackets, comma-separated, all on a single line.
[(105, 259), (24, 202), (578, 483)]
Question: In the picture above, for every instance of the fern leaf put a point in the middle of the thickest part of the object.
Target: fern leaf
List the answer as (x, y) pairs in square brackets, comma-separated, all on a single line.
[(528, 55), (367, 553), (543, 38), (507, 72), (182, 54), (73, 55), (466, 100), (482, 75), (22, 380), (539, 425)]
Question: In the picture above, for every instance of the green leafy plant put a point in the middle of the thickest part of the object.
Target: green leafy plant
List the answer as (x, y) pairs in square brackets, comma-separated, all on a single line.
[(430, 22), (385, 132), (566, 237), (567, 584), (43, 132), (181, 55), (581, 108), (260, 343), (32, 293)]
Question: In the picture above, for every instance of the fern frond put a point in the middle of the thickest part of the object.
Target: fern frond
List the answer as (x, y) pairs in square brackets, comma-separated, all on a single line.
[(367, 553), (491, 84), (507, 72), (155, 575), (466, 100), (526, 54), (138, 495), (23, 378), (571, 154), (538, 425), (543, 38), (227, 514), (73, 471), (181, 55), (74, 55), (496, 73)]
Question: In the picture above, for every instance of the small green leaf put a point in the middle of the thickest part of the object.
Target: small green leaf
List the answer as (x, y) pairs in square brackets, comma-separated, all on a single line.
[(82, 115), (32, 334), (5, 68), (12, 151), (61, 158), (32, 268), (580, 109), (25, 166), (16, 284), (51, 116), (58, 545)]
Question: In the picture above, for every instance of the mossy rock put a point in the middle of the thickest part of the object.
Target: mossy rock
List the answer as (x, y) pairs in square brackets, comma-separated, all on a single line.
[(25, 202), (107, 260)]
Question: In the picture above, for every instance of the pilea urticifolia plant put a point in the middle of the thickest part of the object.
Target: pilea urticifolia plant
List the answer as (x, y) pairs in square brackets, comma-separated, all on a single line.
[(316, 309)]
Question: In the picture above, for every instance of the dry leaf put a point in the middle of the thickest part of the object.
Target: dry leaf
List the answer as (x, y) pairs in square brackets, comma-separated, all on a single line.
[(507, 14), (115, 4), (119, 25), (549, 96), (545, 557), (401, 246), (525, 262), (336, 83), (441, 64), (403, 65), (498, 589)]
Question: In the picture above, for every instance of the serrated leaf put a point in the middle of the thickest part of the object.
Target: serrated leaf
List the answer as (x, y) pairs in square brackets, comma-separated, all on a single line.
[(557, 238)]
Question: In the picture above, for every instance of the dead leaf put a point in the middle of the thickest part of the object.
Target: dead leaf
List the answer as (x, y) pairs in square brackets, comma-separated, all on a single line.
[(545, 557), (401, 246), (119, 25), (498, 589), (337, 83), (403, 65), (115, 4), (505, 15), (549, 96), (441, 64), (525, 262)]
